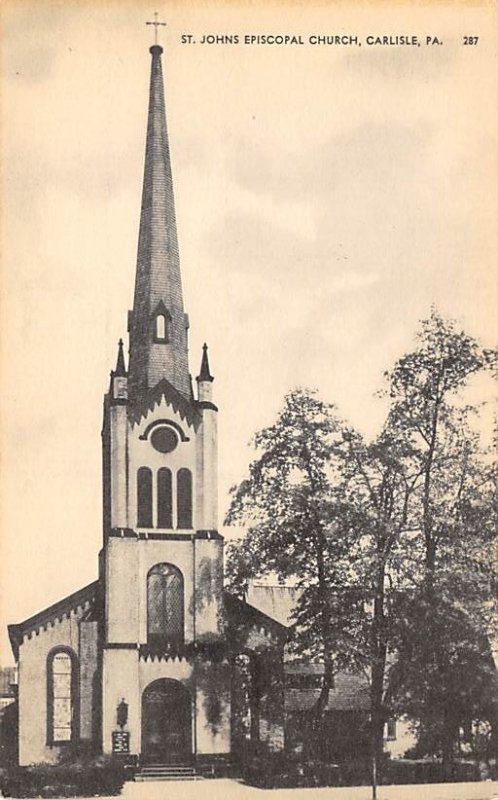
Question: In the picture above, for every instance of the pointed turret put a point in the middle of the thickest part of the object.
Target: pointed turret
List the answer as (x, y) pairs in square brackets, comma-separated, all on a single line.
[(120, 371), (204, 374), (157, 325), (118, 391), (205, 379)]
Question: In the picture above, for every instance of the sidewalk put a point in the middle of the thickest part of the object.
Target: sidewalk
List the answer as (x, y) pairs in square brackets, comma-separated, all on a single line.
[(224, 789)]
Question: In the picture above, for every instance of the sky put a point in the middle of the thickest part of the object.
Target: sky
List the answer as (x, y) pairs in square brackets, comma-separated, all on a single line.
[(326, 196)]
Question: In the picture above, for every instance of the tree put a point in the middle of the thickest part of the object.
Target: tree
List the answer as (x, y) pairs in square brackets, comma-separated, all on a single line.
[(446, 607), (378, 482), (329, 511), (388, 541), (290, 500)]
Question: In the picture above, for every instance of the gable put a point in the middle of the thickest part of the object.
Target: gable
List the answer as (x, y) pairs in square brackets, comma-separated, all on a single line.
[(276, 601), (84, 600), (254, 628), (164, 390)]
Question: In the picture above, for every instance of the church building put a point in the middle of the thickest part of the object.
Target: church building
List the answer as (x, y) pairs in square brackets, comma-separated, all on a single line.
[(154, 660)]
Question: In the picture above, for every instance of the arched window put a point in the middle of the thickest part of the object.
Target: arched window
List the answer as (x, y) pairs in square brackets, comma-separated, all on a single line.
[(161, 329), (144, 498), (165, 606), (184, 498), (164, 499), (62, 696)]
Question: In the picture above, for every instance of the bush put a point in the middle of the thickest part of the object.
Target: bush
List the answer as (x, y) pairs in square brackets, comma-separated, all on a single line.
[(429, 771), (356, 772), (103, 775), (276, 771)]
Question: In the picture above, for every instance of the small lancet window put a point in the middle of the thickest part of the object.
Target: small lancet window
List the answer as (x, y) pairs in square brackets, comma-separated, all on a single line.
[(161, 328), (160, 323), (184, 498)]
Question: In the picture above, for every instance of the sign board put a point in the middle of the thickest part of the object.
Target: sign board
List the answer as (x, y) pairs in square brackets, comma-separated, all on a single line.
[(120, 742)]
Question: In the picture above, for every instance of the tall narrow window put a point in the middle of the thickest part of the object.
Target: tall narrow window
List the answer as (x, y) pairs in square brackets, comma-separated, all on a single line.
[(164, 499), (391, 729), (184, 498), (144, 498), (62, 687), (165, 603), (161, 330), (160, 322)]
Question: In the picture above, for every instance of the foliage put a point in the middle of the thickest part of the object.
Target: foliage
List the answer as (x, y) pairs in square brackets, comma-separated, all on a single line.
[(273, 771), (445, 670), (278, 771), (389, 543), (290, 499), (416, 771), (328, 510), (84, 777)]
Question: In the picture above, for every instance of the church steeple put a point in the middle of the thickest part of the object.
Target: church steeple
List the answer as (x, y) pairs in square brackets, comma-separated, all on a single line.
[(157, 325)]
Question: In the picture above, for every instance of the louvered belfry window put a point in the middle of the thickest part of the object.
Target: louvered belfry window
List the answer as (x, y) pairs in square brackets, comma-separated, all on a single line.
[(144, 498), (165, 606), (164, 499), (184, 498)]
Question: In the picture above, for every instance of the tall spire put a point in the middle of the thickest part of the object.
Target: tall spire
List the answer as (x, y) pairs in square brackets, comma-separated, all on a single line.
[(157, 325)]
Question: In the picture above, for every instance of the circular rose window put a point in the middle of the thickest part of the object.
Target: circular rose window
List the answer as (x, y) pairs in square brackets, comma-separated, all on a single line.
[(164, 439)]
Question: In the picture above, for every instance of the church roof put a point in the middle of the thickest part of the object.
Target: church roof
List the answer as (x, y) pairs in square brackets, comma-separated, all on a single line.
[(240, 613), (156, 354), (349, 693), (275, 600), (84, 599)]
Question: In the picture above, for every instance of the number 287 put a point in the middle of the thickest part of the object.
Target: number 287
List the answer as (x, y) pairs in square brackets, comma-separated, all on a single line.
[(470, 39)]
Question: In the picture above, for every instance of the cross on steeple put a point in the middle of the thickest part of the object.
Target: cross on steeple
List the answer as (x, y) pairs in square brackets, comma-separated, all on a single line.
[(156, 24)]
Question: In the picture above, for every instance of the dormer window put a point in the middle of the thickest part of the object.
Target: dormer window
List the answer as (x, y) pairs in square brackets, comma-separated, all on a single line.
[(161, 323)]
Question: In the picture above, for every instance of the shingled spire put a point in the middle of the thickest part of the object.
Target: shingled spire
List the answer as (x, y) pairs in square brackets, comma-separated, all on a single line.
[(157, 325)]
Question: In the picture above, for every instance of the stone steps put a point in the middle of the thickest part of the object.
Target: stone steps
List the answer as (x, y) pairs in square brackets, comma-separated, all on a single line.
[(168, 772)]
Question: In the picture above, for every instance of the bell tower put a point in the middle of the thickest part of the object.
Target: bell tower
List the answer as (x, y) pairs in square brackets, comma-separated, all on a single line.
[(145, 662), (161, 564)]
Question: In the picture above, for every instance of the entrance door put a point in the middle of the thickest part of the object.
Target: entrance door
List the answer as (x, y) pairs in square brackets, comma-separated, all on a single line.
[(166, 723)]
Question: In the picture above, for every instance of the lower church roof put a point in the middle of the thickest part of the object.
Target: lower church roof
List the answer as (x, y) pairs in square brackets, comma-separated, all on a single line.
[(238, 611), (349, 693), (84, 598)]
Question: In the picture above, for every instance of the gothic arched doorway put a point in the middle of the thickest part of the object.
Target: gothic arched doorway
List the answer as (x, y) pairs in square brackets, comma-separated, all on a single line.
[(166, 723)]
